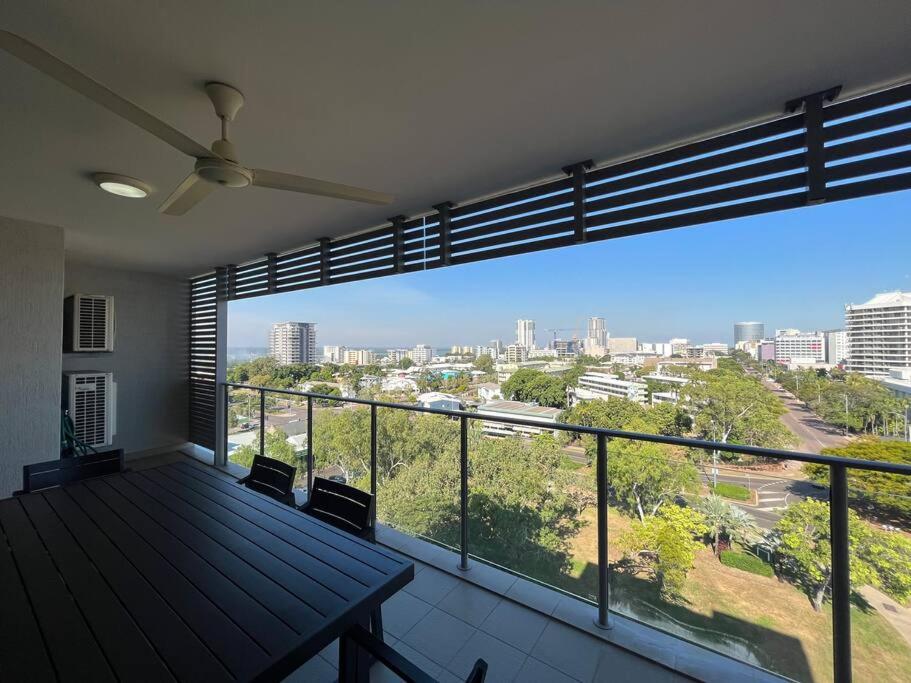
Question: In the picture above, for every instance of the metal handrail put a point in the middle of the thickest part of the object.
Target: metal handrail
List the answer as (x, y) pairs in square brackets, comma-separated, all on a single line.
[(838, 486), (740, 449)]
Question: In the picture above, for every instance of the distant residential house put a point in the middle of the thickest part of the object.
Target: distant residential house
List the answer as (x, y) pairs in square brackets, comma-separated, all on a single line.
[(489, 391)]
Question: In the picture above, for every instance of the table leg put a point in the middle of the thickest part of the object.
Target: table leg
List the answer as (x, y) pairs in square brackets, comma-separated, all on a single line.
[(353, 661)]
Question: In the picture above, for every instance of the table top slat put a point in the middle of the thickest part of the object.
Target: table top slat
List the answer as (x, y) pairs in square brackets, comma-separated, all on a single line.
[(75, 653), (328, 561), (127, 649), (270, 633), (22, 652), (239, 653), (283, 604), (215, 521), (178, 645), (375, 556)]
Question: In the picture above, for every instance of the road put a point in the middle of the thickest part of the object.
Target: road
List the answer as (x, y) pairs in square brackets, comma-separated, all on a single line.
[(812, 432), (773, 494)]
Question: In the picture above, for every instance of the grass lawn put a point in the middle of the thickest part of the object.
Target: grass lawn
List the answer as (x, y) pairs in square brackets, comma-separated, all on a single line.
[(774, 617), (733, 491)]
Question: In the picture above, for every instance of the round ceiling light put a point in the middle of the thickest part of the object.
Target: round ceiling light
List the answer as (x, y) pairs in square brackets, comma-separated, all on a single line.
[(121, 185)]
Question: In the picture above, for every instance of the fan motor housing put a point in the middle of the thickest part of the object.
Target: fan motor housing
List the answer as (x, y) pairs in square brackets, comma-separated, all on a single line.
[(223, 172)]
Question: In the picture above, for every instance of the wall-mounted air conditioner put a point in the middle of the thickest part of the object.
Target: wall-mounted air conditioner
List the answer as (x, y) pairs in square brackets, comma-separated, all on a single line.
[(88, 323), (90, 398)]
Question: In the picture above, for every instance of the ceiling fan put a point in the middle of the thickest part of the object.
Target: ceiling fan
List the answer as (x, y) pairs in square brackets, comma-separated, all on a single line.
[(214, 167)]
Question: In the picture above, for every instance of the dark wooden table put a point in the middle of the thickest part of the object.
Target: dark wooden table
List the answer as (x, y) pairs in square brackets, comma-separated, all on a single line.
[(176, 573)]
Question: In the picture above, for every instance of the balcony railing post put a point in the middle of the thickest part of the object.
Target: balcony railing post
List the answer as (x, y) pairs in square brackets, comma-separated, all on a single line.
[(309, 445), (463, 493), (262, 421), (603, 566), (841, 572), (221, 455), (373, 457)]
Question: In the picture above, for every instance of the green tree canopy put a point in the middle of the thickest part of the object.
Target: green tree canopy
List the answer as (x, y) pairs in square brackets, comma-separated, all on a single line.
[(534, 386), (804, 553), (405, 363), (733, 407), (664, 546), (874, 494), (645, 476)]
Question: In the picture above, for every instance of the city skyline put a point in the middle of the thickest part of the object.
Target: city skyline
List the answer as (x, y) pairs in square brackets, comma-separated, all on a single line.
[(679, 283)]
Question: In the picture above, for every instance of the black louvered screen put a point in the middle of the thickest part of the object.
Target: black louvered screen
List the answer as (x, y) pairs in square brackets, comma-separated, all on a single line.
[(203, 330), (825, 152)]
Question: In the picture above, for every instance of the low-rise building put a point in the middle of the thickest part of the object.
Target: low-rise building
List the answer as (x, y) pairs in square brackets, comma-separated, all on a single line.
[(622, 345), (516, 409), (360, 357), (440, 401), (516, 353), (489, 391), (421, 354), (594, 385)]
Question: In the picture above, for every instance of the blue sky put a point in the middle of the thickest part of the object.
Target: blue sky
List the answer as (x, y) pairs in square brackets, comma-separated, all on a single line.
[(791, 269)]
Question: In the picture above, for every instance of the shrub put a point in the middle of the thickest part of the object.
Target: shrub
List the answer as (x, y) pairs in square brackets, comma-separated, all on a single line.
[(734, 491), (746, 562)]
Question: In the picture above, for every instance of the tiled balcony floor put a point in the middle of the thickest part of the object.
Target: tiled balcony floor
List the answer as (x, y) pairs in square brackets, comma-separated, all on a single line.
[(443, 625)]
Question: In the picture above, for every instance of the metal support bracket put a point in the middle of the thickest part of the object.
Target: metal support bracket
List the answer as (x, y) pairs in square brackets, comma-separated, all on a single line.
[(324, 261), (443, 209), (815, 141), (398, 243), (577, 172)]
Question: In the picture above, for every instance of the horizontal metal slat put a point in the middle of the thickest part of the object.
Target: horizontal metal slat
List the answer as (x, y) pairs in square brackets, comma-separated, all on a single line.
[(514, 250), (869, 145), (722, 213), (517, 236), (362, 276), (863, 167), (716, 144), (384, 250), (864, 103), (868, 124), (540, 207), (738, 192), (523, 195), (534, 220), (341, 242), (790, 162), (865, 188), (361, 265), (716, 162)]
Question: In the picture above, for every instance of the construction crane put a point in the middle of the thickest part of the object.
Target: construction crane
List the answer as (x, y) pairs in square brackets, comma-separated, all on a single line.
[(561, 329)]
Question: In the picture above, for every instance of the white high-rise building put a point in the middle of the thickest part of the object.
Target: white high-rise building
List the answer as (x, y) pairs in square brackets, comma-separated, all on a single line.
[(597, 331), (525, 333), (516, 353), (334, 354), (836, 346), (293, 342), (802, 348), (879, 334), (421, 354)]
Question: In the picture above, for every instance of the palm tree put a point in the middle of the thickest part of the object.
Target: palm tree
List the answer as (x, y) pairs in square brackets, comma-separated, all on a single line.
[(724, 518), (717, 512)]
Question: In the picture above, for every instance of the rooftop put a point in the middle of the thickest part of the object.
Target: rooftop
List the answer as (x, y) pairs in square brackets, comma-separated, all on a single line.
[(518, 408), (896, 298)]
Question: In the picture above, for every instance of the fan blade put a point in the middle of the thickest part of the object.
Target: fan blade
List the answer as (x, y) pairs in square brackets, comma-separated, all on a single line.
[(60, 71), (296, 183), (188, 194)]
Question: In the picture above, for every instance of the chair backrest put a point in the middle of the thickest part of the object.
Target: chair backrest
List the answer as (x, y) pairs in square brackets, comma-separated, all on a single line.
[(342, 506), (44, 475), (271, 477)]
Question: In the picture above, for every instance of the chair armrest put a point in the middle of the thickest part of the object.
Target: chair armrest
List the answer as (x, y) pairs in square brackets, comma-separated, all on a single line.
[(243, 480), (394, 661)]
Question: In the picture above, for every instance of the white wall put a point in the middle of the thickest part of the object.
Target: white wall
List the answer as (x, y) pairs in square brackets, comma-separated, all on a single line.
[(31, 326), (149, 361)]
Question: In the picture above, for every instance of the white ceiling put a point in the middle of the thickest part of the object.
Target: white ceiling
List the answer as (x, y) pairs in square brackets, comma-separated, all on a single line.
[(426, 99)]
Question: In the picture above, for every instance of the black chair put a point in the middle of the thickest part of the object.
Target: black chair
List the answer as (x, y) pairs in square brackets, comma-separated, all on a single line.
[(44, 475), (271, 477), (348, 509), (395, 662)]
